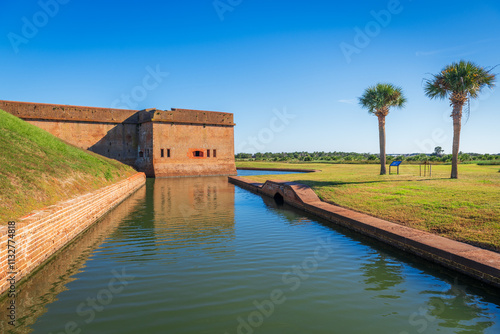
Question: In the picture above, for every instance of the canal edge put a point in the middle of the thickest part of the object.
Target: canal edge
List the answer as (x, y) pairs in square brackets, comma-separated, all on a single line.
[(43, 233), (481, 264)]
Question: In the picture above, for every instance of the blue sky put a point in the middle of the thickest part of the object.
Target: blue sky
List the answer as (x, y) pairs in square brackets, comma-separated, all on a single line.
[(280, 66)]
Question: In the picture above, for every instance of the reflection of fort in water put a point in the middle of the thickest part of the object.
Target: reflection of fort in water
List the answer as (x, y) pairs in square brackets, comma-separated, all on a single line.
[(193, 210), (172, 212), (177, 236)]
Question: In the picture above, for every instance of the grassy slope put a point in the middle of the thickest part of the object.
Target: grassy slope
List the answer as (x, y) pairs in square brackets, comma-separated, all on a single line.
[(38, 169), (467, 209)]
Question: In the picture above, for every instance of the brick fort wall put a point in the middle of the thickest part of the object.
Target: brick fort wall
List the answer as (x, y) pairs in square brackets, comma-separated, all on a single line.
[(160, 143)]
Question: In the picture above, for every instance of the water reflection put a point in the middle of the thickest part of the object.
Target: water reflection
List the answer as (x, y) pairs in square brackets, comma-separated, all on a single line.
[(41, 289), (455, 308), (382, 273), (197, 211), (203, 253), (291, 214)]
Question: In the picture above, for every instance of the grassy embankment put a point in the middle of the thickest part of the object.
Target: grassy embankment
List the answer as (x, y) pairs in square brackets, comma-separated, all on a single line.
[(38, 169), (466, 209)]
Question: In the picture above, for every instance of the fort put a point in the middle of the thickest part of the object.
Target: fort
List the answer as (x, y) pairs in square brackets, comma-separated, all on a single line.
[(160, 143)]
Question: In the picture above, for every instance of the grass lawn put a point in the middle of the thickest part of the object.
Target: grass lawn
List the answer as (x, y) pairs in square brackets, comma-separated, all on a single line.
[(38, 169), (466, 209)]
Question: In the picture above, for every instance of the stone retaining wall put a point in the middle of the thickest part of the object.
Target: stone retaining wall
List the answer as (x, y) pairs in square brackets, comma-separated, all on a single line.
[(41, 234), (475, 262)]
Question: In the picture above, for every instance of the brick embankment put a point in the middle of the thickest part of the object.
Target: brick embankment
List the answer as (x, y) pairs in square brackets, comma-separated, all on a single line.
[(475, 262), (41, 234)]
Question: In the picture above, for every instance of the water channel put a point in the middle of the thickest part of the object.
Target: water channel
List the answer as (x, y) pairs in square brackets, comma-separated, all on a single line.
[(200, 255)]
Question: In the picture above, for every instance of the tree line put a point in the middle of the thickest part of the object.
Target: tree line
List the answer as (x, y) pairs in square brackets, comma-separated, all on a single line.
[(368, 158)]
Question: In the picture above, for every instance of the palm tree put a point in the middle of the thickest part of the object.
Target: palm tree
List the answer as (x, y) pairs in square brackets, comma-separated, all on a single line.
[(378, 99), (460, 82)]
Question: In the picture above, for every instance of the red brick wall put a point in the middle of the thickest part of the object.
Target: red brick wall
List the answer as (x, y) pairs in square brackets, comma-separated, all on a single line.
[(193, 116), (144, 162), (70, 261), (182, 140), (39, 235), (121, 134), (28, 110)]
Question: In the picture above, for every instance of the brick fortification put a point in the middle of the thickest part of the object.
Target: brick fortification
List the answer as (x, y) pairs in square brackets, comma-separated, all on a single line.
[(160, 143)]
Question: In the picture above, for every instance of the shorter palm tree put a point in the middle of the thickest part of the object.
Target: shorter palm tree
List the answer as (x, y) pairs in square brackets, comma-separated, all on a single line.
[(378, 99), (460, 82)]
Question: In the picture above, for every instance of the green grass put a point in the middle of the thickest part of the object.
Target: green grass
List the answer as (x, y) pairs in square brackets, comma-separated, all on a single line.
[(466, 209), (38, 169)]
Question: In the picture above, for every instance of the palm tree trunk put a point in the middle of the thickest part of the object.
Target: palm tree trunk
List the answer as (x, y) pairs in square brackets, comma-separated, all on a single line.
[(381, 134), (457, 119)]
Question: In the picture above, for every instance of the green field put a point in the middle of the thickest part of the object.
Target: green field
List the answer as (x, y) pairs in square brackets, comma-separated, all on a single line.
[(38, 169), (466, 209)]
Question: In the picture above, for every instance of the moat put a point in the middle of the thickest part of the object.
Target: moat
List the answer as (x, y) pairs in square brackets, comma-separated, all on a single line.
[(200, 255)]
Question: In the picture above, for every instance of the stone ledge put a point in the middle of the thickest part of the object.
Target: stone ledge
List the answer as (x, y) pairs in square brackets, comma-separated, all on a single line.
[(475, 262)]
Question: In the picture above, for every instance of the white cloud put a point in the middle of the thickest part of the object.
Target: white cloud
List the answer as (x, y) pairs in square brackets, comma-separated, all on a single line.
[(351, 101), (456, 51)]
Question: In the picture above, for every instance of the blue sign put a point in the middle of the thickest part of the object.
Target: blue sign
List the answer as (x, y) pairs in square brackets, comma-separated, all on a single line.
[(396, 163)]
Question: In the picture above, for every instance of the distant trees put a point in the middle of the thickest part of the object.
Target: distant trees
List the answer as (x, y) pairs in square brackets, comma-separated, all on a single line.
[(378, 100), (459, 82), (438, 151), (365, 158), (243, 156)]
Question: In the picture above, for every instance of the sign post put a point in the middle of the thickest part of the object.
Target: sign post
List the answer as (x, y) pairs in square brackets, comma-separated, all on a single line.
[(396, 164)]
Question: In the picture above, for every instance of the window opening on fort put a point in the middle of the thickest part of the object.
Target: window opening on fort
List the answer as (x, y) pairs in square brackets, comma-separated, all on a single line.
[(208, 153), (168, 153), (215, 153), (162, 153), (198, 153)]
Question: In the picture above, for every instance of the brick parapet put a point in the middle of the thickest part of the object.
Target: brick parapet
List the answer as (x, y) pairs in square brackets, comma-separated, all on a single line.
[(69, 113), (41, 234), (58, 112), (188, 116)]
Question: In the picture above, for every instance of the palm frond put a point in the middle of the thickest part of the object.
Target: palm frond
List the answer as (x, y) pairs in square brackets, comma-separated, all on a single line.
[(382, 95), (463, 78)]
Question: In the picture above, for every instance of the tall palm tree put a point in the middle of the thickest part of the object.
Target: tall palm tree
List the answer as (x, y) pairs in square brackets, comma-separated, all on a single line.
[(378, 99), (459, 82)]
